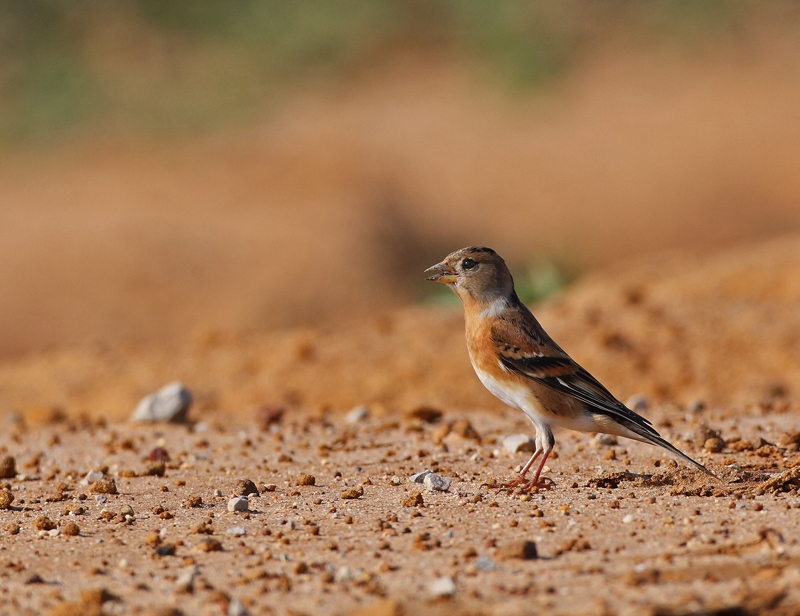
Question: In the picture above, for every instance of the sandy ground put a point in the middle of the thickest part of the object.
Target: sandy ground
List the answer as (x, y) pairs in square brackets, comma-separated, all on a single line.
[(710, 341), (625, 530)]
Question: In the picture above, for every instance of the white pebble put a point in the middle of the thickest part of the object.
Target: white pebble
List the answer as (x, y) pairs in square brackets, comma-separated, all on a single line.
[(434, 482), (443, 586), (185, 582), (357, 415), (344, 574), (627, 519), (419, 477), (519, 442), (238, 503), (92, 477), (237, 530), (236, 608), (170, 403)]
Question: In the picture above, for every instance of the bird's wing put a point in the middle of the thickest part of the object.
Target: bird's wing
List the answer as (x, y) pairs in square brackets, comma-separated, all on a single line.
[(525, 349)]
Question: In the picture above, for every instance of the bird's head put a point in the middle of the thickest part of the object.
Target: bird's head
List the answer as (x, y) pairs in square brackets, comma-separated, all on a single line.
[(475, 273)]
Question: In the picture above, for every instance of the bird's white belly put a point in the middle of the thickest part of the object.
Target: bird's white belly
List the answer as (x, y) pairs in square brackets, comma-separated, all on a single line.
[(518, 397)]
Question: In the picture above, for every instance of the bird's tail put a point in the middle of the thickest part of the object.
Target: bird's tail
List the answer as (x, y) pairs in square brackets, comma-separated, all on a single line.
[(653, 438)]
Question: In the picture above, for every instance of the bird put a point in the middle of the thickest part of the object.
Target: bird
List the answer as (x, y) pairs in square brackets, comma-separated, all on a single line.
[(518, 362)]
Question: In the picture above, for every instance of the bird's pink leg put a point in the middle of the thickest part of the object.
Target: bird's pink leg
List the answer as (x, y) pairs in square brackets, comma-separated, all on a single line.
[(535, 484), (521, 482), (521, 478)]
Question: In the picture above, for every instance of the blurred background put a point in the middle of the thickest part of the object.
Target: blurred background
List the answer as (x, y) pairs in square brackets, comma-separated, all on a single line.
[(169, 168)]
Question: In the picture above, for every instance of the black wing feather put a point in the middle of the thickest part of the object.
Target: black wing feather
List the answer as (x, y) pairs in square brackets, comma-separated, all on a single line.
[(567, 377)]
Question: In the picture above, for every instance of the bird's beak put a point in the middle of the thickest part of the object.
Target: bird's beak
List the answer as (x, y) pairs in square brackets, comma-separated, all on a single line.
[(442, 272)]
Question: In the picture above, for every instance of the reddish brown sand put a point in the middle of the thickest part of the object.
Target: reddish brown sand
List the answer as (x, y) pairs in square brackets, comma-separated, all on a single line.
[(712, 342)]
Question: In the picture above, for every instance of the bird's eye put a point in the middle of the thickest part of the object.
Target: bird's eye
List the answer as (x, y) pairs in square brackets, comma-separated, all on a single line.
[(468, 264)]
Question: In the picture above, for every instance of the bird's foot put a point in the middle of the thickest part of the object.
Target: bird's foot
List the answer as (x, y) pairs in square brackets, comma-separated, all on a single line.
[(522, 485)]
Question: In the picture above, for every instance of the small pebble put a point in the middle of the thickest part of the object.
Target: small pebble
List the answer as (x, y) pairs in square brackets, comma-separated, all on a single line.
[(269, 415), (300, 568), (185, 581), (306, 480), (156, 469), (8, 467), (523, 550), (695, 406), (357, 415), (714, 445), (519, 442), (425, 413), (237, 530), (158, 454), (436, 483), (169, 404), (605, 440), (352, 493), (91, 477), (236, 608), (6, 498), (627, 519), (443, 587), (70, 529), (238, 503), (484, 563), (103, 486), (245, 487), (43, 523), (413, 500), (419, 477), (208, 545), (166, 549), (637, 403)]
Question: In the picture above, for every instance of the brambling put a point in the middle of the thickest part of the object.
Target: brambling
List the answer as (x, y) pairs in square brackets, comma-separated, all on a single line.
[(519, 363)]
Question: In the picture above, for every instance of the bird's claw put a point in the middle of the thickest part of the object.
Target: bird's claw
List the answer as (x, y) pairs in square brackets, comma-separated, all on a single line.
[(523, 485)]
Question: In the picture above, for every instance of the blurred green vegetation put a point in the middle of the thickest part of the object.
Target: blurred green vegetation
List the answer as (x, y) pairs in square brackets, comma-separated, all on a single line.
[(153, 66)]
